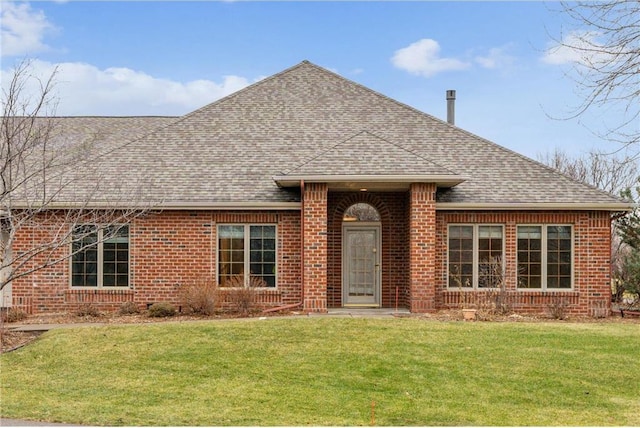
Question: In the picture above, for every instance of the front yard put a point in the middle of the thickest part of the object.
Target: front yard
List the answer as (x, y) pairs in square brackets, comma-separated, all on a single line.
[(328, 371)]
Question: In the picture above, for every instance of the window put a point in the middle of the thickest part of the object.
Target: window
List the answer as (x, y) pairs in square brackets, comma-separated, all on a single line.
[(475, 256), (361, 212), (251, 249), (100, 256), (545, 258)]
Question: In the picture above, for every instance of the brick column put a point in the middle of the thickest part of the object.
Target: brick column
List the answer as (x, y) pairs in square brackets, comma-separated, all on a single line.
[(422, 244), (315, 247)]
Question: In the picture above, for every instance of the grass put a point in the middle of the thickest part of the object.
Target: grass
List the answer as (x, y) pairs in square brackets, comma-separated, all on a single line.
[(328, 372)]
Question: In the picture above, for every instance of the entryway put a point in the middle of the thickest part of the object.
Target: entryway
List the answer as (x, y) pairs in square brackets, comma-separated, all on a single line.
[(361, 265)]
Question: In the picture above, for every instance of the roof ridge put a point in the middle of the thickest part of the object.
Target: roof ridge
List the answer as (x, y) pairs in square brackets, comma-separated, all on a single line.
[(414, 153), (373, 134), (243, 90), (320, 153)]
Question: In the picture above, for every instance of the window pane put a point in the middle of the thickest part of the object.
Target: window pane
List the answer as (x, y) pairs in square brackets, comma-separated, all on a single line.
[(489, 256), (115, 255), (262, 255), (529, 256), (559, 257), (85, 256), (460, 256), (361, 212)]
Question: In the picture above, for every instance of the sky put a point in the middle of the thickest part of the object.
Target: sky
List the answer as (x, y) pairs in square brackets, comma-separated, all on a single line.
[(144, 58)]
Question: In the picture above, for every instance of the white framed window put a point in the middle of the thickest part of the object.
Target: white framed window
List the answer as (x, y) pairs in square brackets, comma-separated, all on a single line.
[(475, 254), (247, 255), (100, 256), (545, 257)]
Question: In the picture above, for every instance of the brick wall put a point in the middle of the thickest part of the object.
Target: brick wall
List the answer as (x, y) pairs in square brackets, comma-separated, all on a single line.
[(176, 247), (422, 247), (167, 250), (315, 247), (592, 291)]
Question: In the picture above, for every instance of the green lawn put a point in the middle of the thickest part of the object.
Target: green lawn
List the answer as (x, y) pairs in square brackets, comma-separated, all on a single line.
[(328, 371)]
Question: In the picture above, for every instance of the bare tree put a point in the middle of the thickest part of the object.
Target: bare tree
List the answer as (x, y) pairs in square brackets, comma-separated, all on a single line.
[(50, 184), (611, 173), (618, 175), (604, 40)]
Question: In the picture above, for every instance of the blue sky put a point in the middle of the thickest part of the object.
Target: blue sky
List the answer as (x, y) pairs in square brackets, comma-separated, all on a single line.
[(169, 58)]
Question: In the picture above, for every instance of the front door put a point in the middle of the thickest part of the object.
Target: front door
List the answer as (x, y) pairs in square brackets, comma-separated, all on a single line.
[(361, 265)]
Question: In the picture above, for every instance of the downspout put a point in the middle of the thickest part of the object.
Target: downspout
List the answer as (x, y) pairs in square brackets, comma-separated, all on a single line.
[(301, 302)]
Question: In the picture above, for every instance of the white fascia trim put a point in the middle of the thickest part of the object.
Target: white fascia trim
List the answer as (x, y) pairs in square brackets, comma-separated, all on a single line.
[(578, 206), (174, 206), (294, 180), (231, 205)]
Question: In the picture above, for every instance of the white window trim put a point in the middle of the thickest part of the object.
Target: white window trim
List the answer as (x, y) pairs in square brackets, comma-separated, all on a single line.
[(544, 259), (476, 256), (100, 261), (247, 255)]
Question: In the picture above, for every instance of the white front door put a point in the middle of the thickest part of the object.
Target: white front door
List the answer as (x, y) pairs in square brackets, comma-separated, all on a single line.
[(361, 265)]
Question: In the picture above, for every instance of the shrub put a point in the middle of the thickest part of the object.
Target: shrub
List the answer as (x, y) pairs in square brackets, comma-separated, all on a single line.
[(557, 309), (88, 310), (243, 297), (161, 310), (201, 297), (14, 315), (128, 308)]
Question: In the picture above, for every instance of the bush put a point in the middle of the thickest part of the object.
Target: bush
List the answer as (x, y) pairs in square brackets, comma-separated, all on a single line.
[(88, 310), (630, 278), (128, 308), (201, 297), (161, 310), (558, 307), (14, 315), (243, 298)]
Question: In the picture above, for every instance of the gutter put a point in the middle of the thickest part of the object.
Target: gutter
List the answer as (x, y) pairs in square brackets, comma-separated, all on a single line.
[(614, 206)]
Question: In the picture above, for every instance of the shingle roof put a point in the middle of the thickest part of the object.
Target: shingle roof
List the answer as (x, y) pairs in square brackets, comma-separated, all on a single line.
[(308, 120)]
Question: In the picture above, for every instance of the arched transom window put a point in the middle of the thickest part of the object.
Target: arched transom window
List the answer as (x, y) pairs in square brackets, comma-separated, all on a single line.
[(361, 212)]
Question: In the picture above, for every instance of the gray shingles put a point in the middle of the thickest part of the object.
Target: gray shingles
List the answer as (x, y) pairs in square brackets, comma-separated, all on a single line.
[(309, 120)]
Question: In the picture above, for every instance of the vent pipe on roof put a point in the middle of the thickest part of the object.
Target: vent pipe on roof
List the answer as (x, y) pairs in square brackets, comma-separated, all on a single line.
[(451, 106)]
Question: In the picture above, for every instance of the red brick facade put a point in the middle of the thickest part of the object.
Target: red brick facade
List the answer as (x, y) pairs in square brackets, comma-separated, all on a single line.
[(173, 248)]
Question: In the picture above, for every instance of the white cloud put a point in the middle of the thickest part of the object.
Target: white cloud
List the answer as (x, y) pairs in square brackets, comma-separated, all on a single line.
[(83, 89), (495, 58), (23, 29), (423, 58), (578, 47)]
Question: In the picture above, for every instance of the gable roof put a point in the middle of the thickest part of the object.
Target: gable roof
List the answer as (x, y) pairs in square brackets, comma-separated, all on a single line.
[(366, 158), (309, 122)]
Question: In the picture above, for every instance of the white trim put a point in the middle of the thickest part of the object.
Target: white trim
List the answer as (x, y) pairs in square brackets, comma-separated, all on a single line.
[(544, 206), (171, 206), (294, 180)]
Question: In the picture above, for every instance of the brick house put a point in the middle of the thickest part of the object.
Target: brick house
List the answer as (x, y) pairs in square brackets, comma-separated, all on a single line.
[(331, 195)]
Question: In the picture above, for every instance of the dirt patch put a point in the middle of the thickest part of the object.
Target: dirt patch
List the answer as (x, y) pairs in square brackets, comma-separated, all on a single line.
[(12, 340)]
